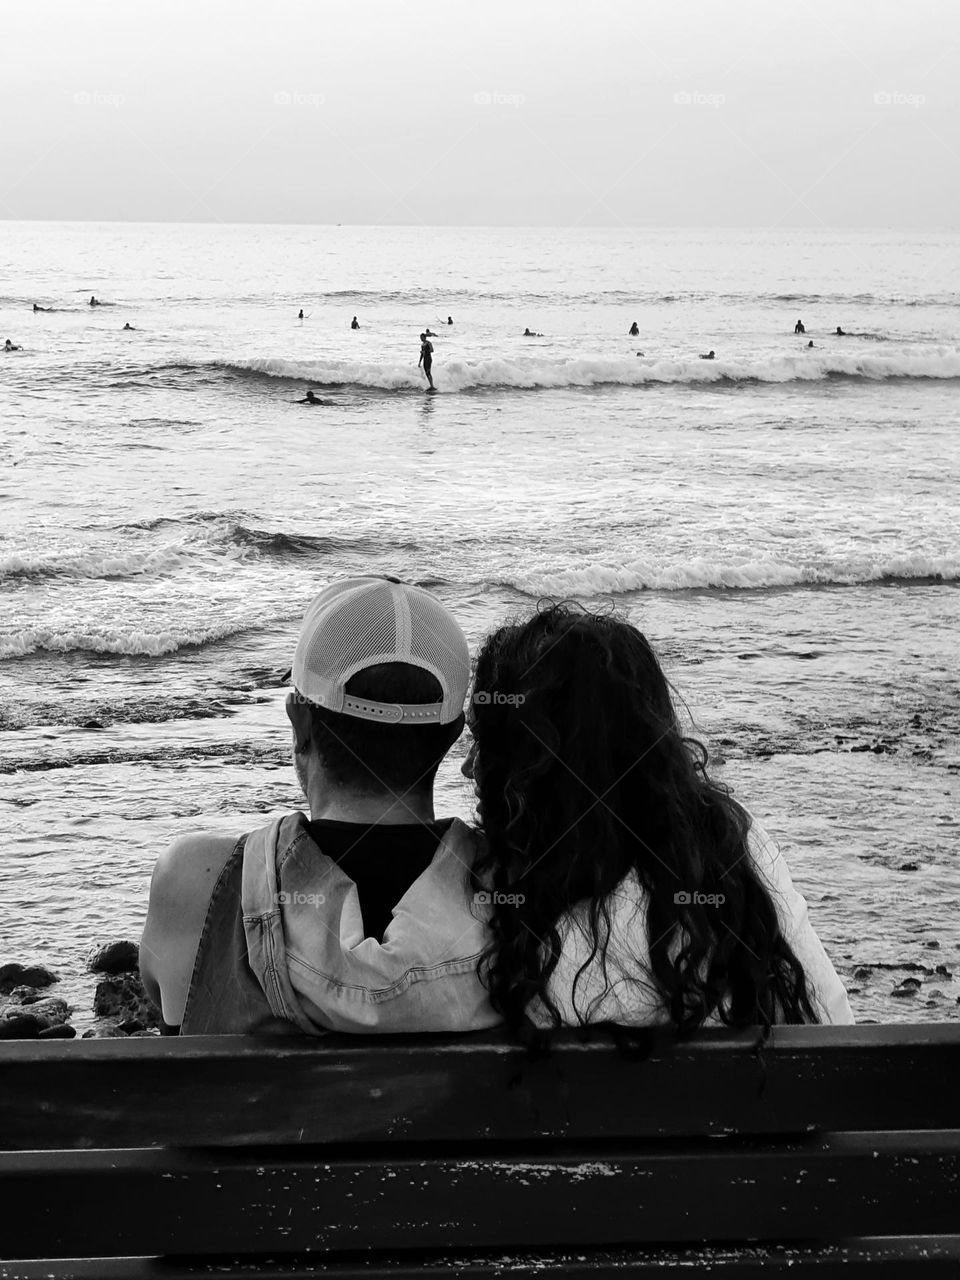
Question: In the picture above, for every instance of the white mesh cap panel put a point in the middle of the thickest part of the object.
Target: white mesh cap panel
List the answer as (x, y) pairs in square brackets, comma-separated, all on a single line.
[(361, 622)]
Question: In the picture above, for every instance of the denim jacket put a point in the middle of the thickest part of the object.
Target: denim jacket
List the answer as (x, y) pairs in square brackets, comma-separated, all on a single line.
[(303, 958)]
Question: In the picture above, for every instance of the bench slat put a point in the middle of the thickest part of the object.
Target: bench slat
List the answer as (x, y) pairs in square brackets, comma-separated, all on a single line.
[(236, 1091), (887, 1258), (198, 1201)]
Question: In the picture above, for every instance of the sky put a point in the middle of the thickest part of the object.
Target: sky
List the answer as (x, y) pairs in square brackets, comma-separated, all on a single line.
[(479, 112)]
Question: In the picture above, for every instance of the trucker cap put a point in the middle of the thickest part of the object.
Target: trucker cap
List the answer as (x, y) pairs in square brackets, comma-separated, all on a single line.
[(362, 622)]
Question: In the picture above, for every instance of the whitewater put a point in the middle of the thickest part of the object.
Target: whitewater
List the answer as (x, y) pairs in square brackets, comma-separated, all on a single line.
[(532, 373), (782, 521)]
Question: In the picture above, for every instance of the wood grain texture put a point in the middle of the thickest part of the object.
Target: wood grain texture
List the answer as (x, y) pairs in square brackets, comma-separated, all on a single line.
[(197, 1201), (933, 1258), (236, 1091)]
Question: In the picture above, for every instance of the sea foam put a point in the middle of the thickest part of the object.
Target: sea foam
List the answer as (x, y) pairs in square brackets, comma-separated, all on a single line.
[(701, 573), (531, 372)]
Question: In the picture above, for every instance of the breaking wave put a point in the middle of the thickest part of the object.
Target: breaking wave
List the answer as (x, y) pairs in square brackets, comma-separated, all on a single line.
[(532, 372), (641, 575)]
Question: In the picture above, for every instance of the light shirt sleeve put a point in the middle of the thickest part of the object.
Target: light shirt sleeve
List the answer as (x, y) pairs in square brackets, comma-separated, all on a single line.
[(827, 992)]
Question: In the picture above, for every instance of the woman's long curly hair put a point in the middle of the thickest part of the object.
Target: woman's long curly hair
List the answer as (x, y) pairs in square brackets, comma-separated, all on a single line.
[(583, 776)]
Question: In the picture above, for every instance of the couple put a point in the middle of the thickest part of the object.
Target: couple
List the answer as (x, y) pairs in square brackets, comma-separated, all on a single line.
[(607, 879)]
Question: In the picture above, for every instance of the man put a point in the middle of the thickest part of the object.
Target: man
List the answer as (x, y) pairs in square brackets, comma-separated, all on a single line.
[(426, 358), (361, 917)]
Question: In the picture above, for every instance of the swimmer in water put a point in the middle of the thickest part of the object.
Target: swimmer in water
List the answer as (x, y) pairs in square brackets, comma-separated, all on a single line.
[(639, 353), (36, 308), (129, 326), (810, 343), (300, 316), (711, 355), (426, 358), (449, 319), (94, 302), (354, 323), (840, 333), (430, 333), (312, 398), (798, 327), (527, 334), (9, 346), (634, 332)]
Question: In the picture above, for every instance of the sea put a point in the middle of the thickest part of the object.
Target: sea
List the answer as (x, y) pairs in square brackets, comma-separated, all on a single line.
[(782, 521)]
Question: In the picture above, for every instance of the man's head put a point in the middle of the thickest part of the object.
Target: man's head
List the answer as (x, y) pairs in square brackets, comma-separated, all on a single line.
[(380, 676)]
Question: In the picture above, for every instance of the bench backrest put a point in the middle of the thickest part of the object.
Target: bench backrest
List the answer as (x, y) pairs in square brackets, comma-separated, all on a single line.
[(230, 1146)]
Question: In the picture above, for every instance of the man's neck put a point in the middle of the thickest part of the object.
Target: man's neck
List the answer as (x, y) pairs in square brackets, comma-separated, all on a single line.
[(388, 810)]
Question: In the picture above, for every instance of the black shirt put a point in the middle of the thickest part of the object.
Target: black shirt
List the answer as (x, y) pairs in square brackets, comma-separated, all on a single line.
[(382, 860)]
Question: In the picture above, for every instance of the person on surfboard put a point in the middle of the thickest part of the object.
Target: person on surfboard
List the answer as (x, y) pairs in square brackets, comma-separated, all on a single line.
[(426, 358)]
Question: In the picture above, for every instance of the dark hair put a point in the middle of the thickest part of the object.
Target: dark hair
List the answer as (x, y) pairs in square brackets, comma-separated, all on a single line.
[(378, 758), (584, 776)]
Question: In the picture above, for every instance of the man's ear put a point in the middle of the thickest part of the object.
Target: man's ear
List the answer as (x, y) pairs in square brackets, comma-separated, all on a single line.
[(298, 713)]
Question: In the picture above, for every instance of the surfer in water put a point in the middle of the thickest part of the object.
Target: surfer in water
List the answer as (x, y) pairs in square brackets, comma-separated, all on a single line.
[(9, 346), (129, 326), (711, 355), (36, 308), (426, 358), (840, 333), (300, 316), (312, 398), (449, 319), (634, 332), (527, 333), (94, 301), (354, 323), (798, 327)]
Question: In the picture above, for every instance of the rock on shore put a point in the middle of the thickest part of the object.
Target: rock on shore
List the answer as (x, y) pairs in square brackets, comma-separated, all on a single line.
[(114, 957), (26, 1014), (34, 976), (122, 1006), (122, 1003)]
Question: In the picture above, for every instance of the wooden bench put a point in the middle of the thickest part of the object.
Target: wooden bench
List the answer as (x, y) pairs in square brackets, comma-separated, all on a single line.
[(837, 1153)]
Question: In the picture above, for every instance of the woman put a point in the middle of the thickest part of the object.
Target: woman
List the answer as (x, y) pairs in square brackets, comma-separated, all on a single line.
[(624, 884)]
